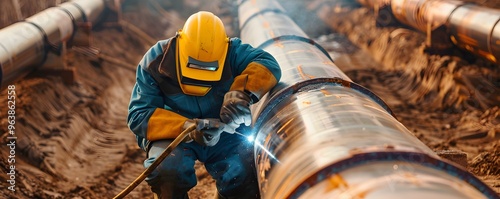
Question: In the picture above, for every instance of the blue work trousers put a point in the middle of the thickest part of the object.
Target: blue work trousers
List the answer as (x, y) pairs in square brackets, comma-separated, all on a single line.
[(230, 162)]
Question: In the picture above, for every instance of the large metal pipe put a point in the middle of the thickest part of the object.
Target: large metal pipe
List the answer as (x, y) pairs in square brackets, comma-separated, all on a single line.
[(25, 45), (468, 26), (320, 135)]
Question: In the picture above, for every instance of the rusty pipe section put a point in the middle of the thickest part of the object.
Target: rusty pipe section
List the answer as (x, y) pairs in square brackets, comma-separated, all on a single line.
[(25, 45), (320, 135), (466, 25)]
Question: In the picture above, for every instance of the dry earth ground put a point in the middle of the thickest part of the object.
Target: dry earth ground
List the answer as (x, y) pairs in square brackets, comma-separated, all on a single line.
[(74, 142)]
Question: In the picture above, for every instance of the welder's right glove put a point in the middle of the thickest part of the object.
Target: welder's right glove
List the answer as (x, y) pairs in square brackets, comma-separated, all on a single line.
[(207, 132), (235, 109)]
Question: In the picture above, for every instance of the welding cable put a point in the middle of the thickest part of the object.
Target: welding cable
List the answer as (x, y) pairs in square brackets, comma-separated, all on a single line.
[(157, 162)]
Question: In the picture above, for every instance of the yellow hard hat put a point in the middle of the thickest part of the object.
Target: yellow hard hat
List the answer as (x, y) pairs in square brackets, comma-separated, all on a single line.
[(201, 49)]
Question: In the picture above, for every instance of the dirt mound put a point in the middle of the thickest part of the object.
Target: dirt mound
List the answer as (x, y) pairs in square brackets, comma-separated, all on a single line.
[(486, 163)]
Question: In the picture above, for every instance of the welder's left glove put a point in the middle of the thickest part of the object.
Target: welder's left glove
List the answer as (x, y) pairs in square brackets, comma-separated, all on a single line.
[(236, 109)]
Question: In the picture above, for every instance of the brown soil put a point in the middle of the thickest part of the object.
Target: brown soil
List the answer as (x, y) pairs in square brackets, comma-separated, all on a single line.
[(73, 141)]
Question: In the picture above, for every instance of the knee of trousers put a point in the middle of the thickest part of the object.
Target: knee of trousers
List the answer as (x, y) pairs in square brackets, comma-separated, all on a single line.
[(176, 170), (234, 176)]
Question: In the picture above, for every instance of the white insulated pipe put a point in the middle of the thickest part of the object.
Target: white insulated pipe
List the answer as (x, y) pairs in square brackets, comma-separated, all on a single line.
[(25, 45)]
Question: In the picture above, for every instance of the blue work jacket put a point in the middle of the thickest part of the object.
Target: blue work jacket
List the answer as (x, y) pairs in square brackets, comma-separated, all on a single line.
[(154, 114)]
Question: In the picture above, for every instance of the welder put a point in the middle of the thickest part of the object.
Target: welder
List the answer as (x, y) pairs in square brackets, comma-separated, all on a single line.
[(200, 77)]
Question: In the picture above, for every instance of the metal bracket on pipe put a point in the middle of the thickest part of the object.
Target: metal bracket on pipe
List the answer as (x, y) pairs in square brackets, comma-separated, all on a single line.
[(114, 13), (82, 35), (56, 65), (56, 60)]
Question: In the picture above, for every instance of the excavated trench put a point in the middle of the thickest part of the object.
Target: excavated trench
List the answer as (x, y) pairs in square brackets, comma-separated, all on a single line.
[(73, 141)]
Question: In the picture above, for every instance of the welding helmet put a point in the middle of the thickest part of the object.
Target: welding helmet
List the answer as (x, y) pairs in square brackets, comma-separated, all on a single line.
[(201, 52)]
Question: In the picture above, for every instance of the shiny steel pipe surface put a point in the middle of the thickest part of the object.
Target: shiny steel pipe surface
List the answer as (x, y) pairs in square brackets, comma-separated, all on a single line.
[(469, 26), (318, 134), (24, 45)]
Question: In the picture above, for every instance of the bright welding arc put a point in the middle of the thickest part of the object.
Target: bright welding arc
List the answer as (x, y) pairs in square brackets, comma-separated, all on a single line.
[(251, 139)]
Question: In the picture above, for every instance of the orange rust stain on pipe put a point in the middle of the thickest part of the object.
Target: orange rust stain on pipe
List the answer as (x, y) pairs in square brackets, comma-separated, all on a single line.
[(272, 34), (266, 24), (336, 182), (280, 131), (302, 74), (326, 92), (329, 63), (278, 44), (295, 51)]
